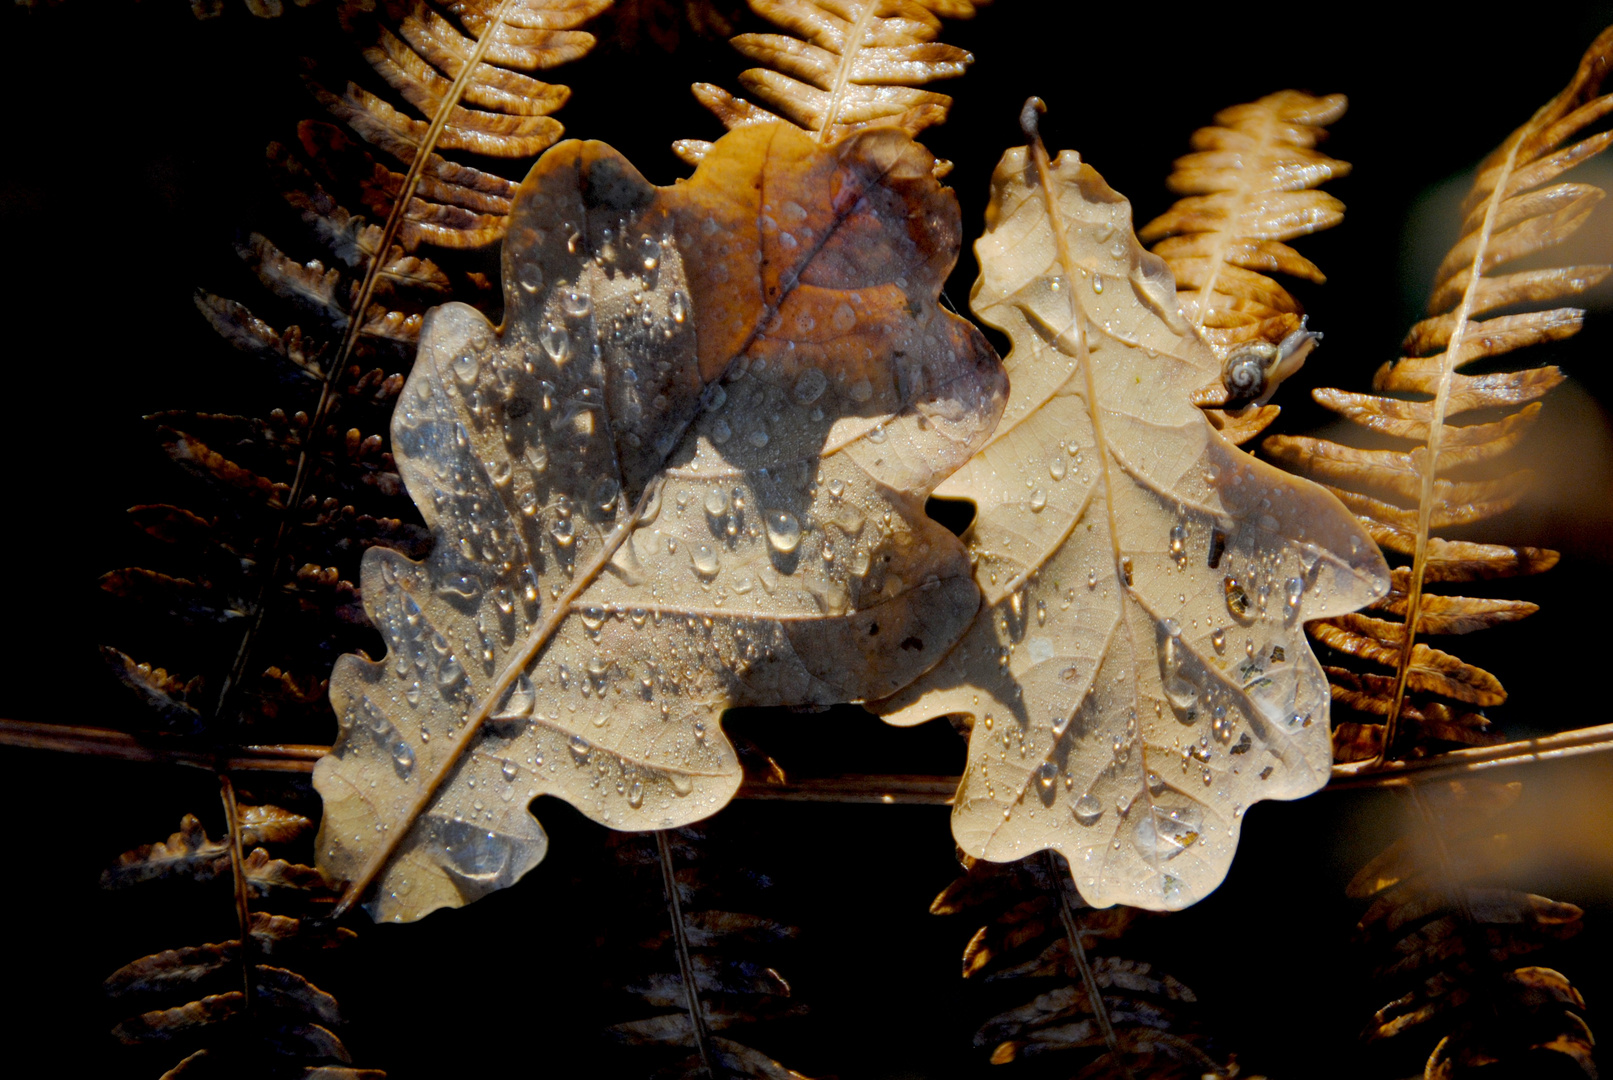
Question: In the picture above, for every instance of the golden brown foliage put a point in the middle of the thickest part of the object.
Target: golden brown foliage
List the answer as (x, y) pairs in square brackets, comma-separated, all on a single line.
[(1137, 677), (1447, 942), (688, 472), (848, 65), (1443, 476)]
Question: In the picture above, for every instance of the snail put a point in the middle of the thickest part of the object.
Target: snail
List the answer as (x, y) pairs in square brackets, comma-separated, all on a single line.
[(1255, 369)]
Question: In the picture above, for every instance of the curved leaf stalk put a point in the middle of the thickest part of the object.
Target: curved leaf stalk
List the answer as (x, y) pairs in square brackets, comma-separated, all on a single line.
[(243, 910), (680, 939)]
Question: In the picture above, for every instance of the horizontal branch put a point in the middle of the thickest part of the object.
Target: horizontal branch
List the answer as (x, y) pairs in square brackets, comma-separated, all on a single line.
[(882, 788)]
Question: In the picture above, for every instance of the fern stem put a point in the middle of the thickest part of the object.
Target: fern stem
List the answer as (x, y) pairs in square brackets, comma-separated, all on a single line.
[(1089, 978), (338, 366), (1436, 437), (854, 41), (243, 911), (680, 937)]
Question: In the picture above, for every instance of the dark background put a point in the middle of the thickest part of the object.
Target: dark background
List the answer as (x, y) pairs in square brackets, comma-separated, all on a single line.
[(135, 158)]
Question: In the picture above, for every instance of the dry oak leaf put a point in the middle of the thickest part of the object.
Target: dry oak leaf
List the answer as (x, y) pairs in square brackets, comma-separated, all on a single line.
[(1138, 674), (688, 473)]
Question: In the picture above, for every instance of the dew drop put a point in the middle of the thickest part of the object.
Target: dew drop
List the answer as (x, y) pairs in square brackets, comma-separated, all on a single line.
[(556, 342), (757, 438), (650, 252), (721, 432), (509, 770), (465, 368), (531, 276), (810, 386), (1038, 501), (1179, 544), (1097, 283), (1057, 468), (1041, 612), (860, 391), (1087, 810), (577, 304), (716, 502), (579, 748), (837, 488), (1293, 590), (678, 306), (783, 530), (1219, 639), (635, 793), (564, 532), (704, 559), (518, 706)]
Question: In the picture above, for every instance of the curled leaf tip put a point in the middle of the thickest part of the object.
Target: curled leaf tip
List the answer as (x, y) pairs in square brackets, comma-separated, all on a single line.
[(1027, 118)]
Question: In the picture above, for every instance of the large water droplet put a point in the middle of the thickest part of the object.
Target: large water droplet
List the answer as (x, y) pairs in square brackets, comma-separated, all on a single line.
[(783, 530), (682, 783), (556, 342), (1293, 590), (577, 304), (531, 276), (716, 502), (1087, 810), (635, 793), (564, 532), (650, 252), (1046, 775), (678, 306), (721, 432), (518, 705), (466, 367), (1179, 544), (704, 558), (449, 673), (1057, 468), (475, 853), (757, 438), (810, 386), (580, 748), (1038, 500)]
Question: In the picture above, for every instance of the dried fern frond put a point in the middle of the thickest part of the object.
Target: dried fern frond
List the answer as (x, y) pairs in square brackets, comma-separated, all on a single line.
[(253, 1015), (844, 64), (1446, 944), (1126, 1018), (1442, 478), (701, 934), (1248, 188)]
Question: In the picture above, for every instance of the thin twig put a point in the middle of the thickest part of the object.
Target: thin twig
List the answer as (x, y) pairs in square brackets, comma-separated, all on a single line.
[(691, 991), (243, 910)]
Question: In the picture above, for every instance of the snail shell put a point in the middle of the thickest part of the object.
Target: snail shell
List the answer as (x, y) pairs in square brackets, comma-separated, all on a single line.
[(1245, 372)]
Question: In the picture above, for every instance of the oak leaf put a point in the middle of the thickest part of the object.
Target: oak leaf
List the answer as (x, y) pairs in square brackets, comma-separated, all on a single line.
[(1138, 675), (688, 473)]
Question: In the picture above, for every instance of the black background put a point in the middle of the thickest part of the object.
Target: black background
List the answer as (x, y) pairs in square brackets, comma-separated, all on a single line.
[(134, 159)]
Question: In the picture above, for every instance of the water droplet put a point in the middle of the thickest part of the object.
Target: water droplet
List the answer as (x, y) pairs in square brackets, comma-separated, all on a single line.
[(843, 319), (860, 391), (531, 276), (837, 488), (412, 694), (1179, 544), (564, 532), (1097, 283), (682, 783), (580, 748), (518, 705), (1172, 628), (556, 342), (783, 530), (810, 386), (449, 673), (721, 432), (1057, 468), (593, 617), (1293, 590), (678, 306), (1219, 639), (1237, 599), (1041, 612), (635, 793), (476, 854), (1087, 810), (509, 770), (757, 438), (1038, 500), (1046, 774), (1092, 579), (650, 252), (705, 561), (1156, 784), (466, 367), (577, 304), (402, 757)]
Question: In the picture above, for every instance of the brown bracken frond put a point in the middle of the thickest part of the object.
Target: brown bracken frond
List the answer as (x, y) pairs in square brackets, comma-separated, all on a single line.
[(1123, 1017), (1248, 188), (845, 64), (1438, 479), (702, 932), (1446, 944)]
